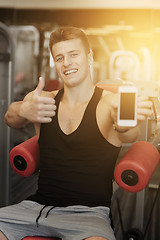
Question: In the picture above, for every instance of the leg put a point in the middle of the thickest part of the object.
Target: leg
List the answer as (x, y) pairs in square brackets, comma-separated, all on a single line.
[(2, 237), (19, 220), (81, 222)]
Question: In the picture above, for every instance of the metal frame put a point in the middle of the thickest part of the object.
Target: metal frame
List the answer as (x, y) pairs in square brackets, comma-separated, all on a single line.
[(4, 103)]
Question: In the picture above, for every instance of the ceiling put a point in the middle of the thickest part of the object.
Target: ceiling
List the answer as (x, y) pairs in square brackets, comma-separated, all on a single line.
[(111, 24), (87, 18), (138, 14), (76, 4)]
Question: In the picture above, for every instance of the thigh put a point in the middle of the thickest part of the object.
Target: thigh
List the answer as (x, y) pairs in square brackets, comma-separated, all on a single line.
[(80, 222), (23, 211), (19, 220)]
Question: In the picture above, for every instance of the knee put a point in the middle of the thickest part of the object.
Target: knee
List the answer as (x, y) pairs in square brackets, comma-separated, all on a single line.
[(2, 237)]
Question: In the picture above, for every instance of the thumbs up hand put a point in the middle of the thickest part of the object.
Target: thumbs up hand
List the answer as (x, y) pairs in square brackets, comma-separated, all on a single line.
[(40, 86), (36, 107)]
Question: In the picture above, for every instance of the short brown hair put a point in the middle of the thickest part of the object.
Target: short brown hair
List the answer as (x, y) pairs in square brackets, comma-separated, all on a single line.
[(68, 33)]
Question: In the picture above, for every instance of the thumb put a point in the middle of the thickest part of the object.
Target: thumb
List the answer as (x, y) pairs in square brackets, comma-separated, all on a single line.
[(39, 87)]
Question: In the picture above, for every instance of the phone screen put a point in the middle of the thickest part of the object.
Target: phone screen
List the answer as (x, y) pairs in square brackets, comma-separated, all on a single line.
[(127, 106)]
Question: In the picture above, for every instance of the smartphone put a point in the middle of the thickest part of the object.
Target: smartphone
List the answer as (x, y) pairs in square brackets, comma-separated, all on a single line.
[(127, 106)]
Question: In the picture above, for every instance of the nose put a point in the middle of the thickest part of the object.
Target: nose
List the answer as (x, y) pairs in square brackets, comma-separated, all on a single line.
[(66, 61)]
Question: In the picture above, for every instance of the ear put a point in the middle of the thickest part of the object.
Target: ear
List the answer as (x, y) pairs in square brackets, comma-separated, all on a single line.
[(90, 57)]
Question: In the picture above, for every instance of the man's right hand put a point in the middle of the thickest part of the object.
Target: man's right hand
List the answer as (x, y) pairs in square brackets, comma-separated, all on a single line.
[(36, 108)]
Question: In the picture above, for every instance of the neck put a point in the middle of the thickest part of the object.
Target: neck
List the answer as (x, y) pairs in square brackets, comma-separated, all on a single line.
[(79, 94)]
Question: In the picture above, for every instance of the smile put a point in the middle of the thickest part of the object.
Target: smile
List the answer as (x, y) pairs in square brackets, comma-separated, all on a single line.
[(70, 71)]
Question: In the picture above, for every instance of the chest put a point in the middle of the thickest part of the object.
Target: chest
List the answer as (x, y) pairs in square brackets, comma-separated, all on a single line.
[(69, 118)]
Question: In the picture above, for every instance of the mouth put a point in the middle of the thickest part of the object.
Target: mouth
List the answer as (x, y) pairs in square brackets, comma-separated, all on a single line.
[(70, 71)]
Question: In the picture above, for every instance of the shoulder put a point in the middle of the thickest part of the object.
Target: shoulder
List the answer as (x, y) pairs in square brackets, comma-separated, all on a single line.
[(104, 106), (106, 99)]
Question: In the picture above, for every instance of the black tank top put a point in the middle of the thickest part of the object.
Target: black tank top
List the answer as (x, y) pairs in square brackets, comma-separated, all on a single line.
[(76, 169)]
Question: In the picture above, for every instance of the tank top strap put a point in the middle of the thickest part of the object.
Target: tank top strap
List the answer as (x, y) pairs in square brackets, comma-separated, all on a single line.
[(96, 97), (94, 100), (59, 96)]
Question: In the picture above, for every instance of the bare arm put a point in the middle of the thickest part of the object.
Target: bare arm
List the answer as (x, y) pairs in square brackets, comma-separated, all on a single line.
[(127, 135), (13, 117), (37, 107)]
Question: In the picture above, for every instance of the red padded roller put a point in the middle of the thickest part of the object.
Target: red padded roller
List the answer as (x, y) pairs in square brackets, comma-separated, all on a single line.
[(40, 238), (113, 85), (24, 158), (135, 169), (109, 87)]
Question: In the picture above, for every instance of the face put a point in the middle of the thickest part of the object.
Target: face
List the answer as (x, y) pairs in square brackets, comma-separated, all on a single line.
[(72, 62)]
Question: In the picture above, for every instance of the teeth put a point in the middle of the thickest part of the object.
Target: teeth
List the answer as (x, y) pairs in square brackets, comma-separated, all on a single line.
[(70, 71)]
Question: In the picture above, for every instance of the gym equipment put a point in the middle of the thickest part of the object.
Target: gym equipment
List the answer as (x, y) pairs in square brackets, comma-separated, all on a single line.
[(124, 64), (24, 158), (150, 89), (26, 40), (6, 95), (135, 233), (40, 238), (132, 173), (53, 84), (140, 154), (112, 85), (135, 169)]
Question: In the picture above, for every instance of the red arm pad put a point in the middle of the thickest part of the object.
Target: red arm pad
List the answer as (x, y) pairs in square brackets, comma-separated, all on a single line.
[(109, 87), (137, 166), (24, 158), (40, 238)]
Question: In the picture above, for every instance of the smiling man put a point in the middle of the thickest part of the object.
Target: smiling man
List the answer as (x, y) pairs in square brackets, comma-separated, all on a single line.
[(78, 149)]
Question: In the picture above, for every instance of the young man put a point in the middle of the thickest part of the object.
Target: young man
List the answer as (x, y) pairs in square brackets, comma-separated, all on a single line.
[(78, 149)]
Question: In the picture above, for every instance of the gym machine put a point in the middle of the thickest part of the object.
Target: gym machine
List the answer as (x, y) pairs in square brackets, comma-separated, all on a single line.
[(151, 135), (6, 81)]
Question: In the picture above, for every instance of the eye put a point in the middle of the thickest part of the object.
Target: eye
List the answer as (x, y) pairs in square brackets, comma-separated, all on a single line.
[(74, 54), (59, 59)]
